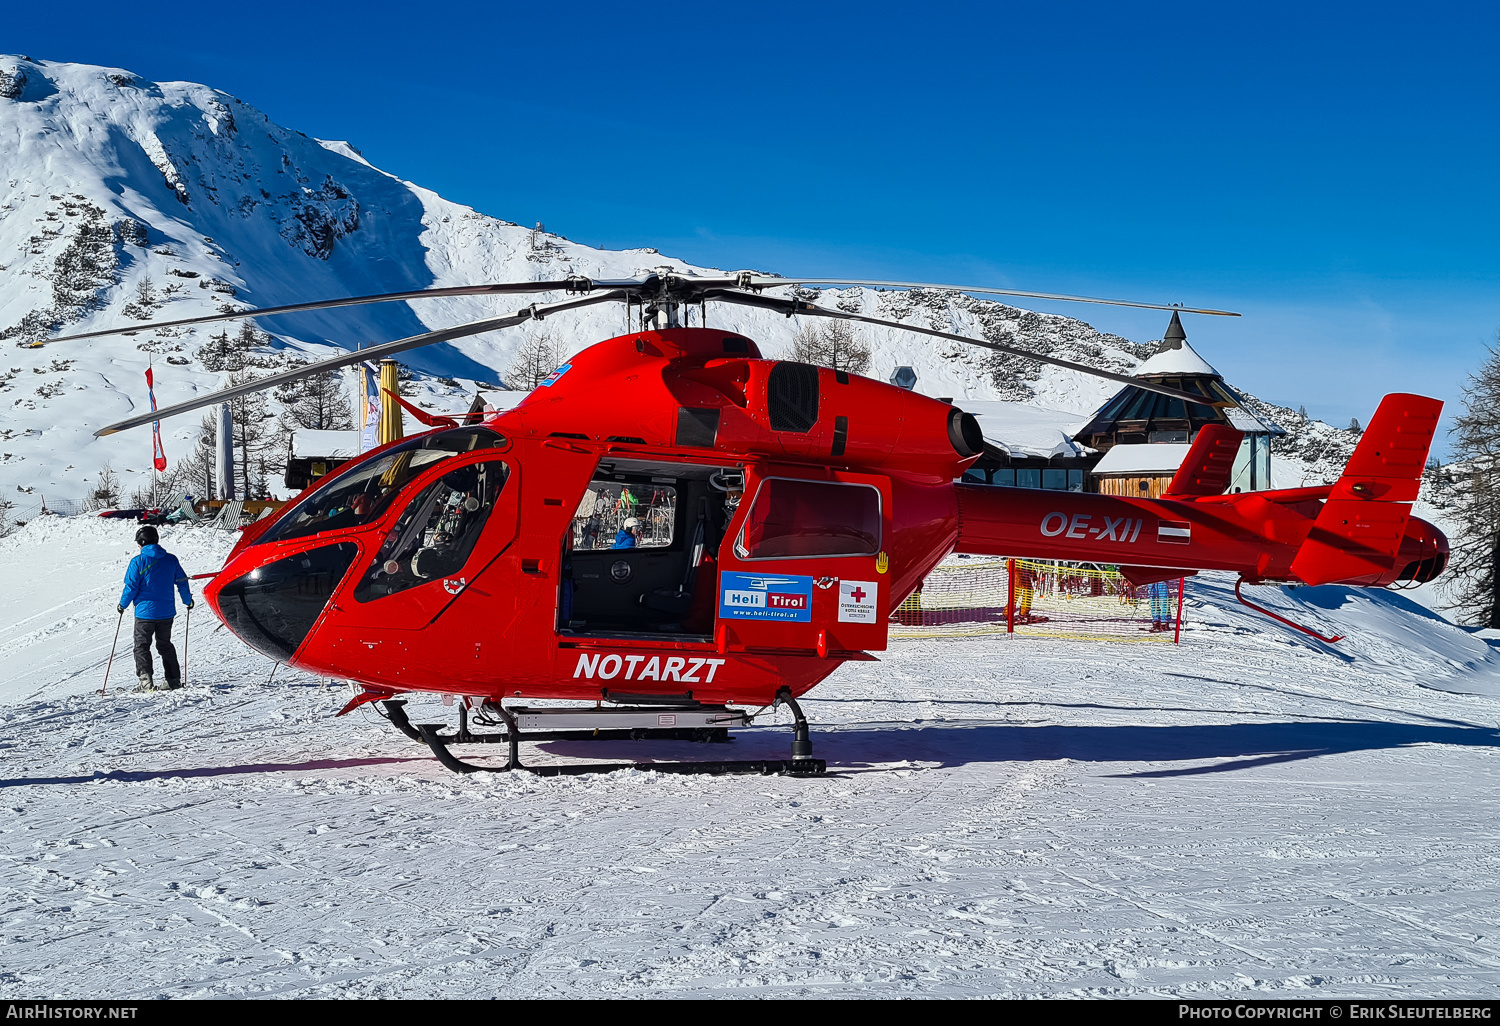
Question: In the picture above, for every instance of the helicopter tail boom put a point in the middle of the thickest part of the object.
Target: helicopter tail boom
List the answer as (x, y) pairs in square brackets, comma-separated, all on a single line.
[(1358, 532)]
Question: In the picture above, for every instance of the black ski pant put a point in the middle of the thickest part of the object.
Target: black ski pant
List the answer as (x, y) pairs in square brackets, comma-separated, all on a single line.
[(161, 630)]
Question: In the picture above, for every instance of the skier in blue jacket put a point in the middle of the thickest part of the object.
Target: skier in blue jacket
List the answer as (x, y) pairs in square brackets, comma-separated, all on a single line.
[(148, 583)]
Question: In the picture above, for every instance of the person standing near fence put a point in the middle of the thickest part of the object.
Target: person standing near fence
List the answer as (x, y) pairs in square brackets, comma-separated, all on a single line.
[(1025, 591), (149, 581), (1161, 605)]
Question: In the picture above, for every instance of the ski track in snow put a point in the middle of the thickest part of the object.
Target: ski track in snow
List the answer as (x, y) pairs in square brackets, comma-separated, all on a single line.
[(1253, 814)]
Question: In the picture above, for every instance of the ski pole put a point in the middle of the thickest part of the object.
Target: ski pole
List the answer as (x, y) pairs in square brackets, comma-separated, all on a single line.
[(187, 623), (112, 645)]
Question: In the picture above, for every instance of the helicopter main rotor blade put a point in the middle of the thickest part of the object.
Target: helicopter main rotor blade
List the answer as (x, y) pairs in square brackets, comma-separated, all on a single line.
[(791, 306), (533, 312), (493, 289), (767, 281)]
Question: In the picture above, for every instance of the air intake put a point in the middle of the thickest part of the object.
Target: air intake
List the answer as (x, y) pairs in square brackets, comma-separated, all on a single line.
[(792, 397)]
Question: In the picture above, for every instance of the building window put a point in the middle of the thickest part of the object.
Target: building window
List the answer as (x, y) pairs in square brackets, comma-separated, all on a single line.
[(1028, 478), (1056, 480)]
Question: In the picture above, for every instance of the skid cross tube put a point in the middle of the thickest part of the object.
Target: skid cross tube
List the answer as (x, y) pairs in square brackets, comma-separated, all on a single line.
[(801, 764)]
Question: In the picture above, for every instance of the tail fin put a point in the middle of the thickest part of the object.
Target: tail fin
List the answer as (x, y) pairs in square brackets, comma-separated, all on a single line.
[(1359, 529), (1208, 465)]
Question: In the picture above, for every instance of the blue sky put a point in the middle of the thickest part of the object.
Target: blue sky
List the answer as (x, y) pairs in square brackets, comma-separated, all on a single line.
[(1328, 170)]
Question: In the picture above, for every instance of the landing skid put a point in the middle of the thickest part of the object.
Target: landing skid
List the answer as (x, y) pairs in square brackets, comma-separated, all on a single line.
[(554, 724)]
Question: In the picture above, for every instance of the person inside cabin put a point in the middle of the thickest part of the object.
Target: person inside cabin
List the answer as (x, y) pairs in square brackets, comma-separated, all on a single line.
[(629, 535)]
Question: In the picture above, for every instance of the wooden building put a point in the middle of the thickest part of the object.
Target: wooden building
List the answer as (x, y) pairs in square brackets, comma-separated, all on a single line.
[(1029, 447), (1164, 427), (315, 453)]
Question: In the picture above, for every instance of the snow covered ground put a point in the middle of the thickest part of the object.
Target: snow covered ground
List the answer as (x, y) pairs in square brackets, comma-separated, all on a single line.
[(1251, 814)]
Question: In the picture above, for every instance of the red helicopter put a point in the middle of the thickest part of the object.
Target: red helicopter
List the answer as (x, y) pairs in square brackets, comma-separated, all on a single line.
[(677, 529)]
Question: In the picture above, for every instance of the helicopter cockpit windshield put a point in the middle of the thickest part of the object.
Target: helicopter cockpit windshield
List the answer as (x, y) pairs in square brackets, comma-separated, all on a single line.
[(363, 491), (437, 531)]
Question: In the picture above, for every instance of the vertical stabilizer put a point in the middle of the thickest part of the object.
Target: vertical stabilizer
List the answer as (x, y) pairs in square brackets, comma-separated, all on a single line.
[(1209, 464), (1359, 530)]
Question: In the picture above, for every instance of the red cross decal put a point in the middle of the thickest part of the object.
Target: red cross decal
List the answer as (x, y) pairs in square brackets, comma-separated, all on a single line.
[(858, 594)]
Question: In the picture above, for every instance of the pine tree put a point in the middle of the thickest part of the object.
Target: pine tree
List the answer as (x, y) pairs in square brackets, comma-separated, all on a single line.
[(83, 271), (219, 354), (1474, 567), (319, 402)]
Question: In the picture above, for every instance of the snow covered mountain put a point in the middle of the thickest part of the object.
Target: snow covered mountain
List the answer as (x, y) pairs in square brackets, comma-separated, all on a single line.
[(126, 201)]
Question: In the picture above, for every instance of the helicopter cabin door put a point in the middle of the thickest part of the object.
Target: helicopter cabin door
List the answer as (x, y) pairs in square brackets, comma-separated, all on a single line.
[(802, 566)]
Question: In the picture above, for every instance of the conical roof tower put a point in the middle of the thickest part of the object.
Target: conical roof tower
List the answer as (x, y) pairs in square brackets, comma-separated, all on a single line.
[(1136, 415)]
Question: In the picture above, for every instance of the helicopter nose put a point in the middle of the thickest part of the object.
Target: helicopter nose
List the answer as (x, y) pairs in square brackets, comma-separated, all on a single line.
[(273, 607)]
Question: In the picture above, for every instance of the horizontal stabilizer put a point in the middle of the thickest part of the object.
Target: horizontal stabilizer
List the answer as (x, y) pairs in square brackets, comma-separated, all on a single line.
[(431, 420), (1140, 576), (1359, 530), (1208, 465)]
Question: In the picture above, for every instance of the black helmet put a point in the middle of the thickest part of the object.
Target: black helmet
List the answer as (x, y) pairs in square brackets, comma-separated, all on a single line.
[(147, 536)]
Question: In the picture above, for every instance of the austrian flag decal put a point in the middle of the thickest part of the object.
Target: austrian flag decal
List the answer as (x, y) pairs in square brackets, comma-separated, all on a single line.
[(1174, 532)]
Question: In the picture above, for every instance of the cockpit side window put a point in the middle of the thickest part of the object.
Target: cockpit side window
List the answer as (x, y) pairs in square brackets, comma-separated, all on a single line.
[(364, 491), (436, 532)]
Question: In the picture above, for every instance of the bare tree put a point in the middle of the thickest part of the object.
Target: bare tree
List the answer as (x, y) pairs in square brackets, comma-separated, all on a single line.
[(538, 357), (194, 471), (835, 344), (106, 491), (1474, 568), (254, 436)]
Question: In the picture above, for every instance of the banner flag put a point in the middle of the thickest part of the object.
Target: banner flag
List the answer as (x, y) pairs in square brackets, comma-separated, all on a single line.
[(158, 457), (369, 408)]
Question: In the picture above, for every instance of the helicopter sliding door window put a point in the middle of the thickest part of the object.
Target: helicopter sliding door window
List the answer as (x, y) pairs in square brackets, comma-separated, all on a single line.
[(794, 518), (604, 515), (436, 532)]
